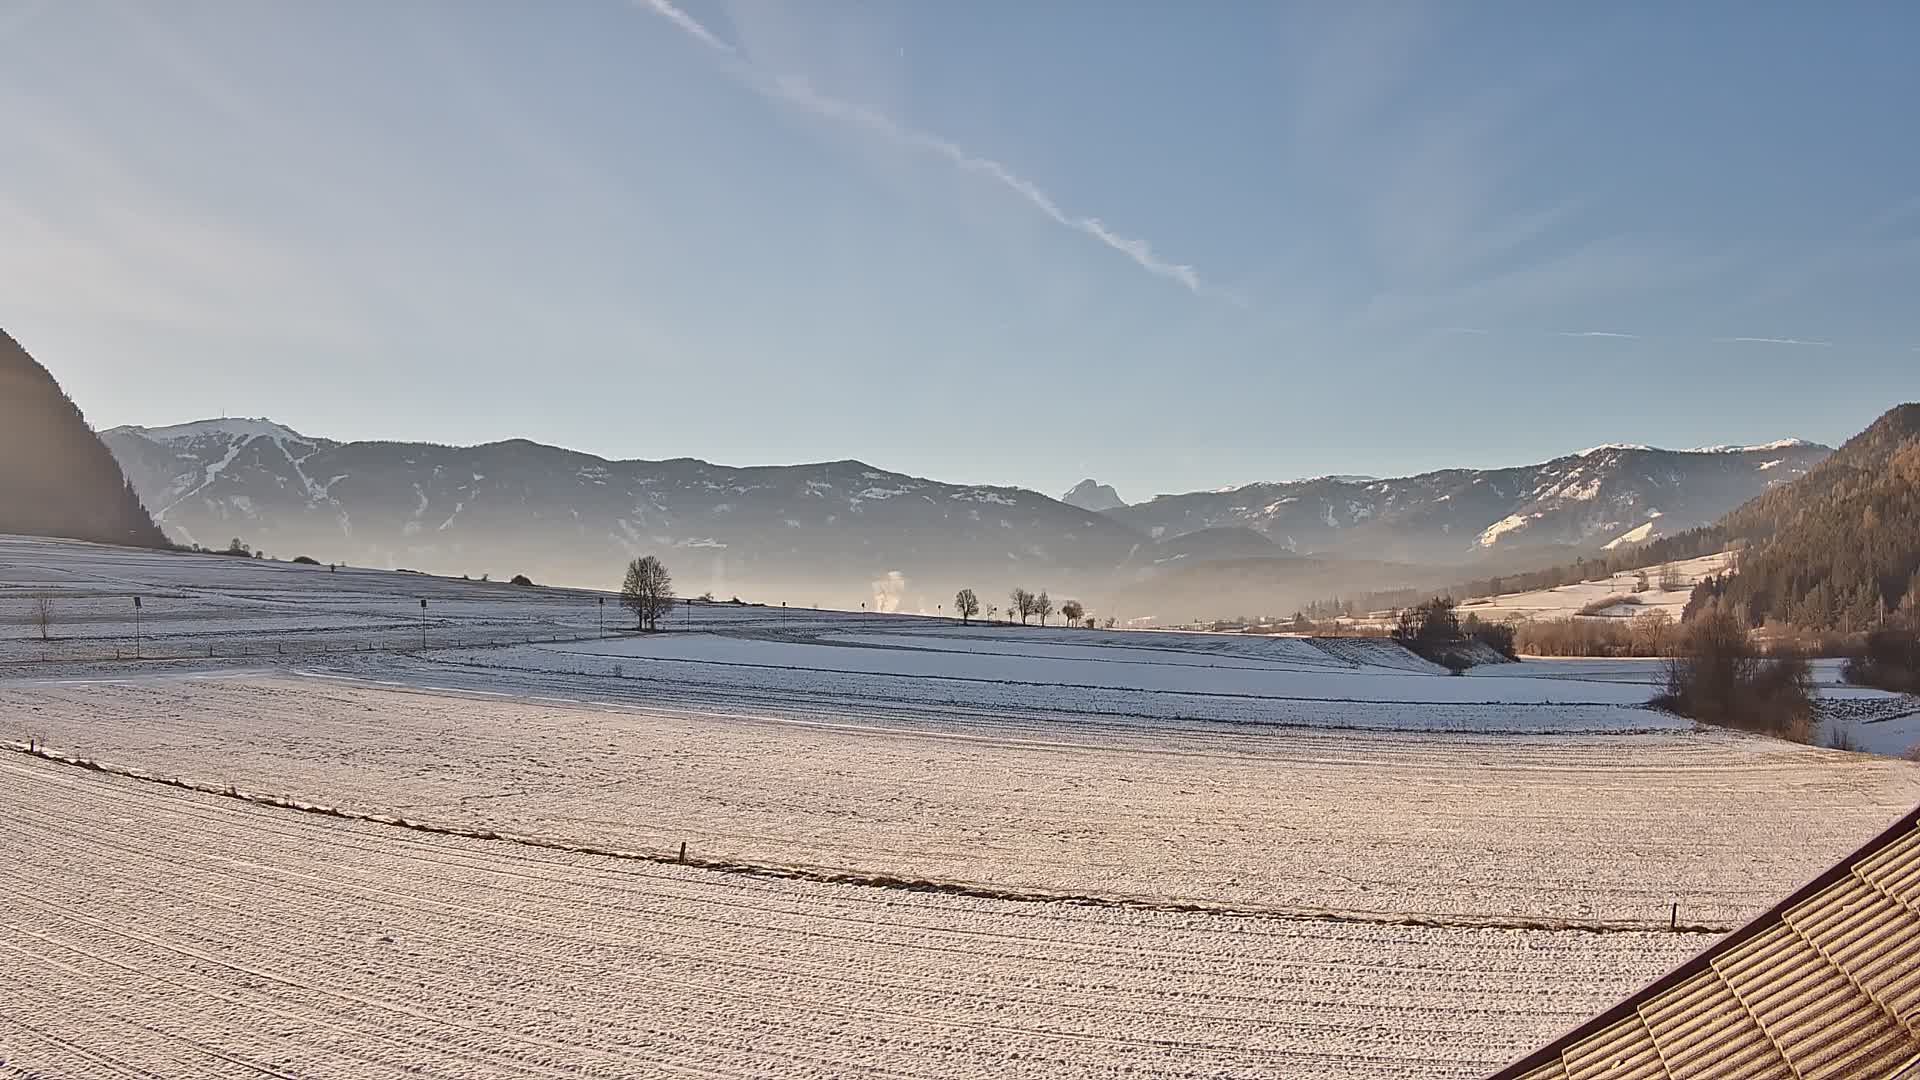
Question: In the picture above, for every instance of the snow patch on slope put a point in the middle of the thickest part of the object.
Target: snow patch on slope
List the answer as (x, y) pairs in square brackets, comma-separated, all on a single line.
[(1631, 536), (1726, 448), (243, 428), (1502, 527)]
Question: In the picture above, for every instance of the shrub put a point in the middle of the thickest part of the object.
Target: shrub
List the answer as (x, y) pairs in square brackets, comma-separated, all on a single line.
[(1652, 633), (1433, 631), (522, 579), (1573, 637), (306, 561), (1602, 604), (1716, 677), (1428, 624), (1890, 660), (1500, 637)]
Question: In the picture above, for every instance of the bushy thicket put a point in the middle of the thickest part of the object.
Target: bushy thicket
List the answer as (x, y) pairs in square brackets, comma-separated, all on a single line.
[(1890, 660), (1717, 677), (1600, 606), (1434, 630), (1572, 637), (1500, 637), (1650, 633)]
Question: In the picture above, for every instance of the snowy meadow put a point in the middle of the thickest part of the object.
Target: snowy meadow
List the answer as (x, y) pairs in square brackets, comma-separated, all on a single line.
[(326, 836)]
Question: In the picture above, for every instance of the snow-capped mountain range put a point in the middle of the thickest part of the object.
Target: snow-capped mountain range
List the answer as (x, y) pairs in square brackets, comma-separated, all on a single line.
[(834, 531), (830, 532), (1604, 496)]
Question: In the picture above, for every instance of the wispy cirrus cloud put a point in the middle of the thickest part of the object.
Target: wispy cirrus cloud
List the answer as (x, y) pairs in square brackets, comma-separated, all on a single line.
[(1772, 341), (1598, 334), (688, 25), (797, 92)]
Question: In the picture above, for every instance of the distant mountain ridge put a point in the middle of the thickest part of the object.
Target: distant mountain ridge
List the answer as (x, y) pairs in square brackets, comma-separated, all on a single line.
[(840, 532), (832, 532), (56, 476), (1605, 495), (1091, 495)]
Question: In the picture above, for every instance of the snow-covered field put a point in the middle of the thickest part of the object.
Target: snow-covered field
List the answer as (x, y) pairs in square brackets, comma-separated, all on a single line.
[(915, 849), (1568, 601), (167, 934), (199, 605)]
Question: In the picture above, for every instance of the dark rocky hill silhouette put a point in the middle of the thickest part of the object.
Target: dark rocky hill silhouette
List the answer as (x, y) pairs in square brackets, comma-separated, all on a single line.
[(56, 476)]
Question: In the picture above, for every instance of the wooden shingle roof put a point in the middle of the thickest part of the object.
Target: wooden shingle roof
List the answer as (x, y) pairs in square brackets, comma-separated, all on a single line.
[(1826, 984)]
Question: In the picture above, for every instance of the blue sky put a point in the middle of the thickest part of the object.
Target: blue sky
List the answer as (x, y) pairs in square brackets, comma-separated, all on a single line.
[(1169, 246)]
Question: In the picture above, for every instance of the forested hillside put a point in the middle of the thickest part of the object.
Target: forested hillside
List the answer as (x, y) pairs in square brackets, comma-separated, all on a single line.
[(56, 477), (1837, 549)]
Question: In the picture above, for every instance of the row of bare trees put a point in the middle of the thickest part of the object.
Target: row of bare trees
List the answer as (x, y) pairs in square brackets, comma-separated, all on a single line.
[(966, 603), (648, 593)]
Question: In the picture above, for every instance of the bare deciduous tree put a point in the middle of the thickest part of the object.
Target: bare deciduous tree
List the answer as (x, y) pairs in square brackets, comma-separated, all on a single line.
[(1020, 602), (1073, 611), (1651, 631), (43, 614), (967, 604), (648, 591), (1043, 606)]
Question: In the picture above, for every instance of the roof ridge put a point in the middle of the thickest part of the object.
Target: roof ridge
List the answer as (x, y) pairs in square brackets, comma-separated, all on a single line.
[(1552, 1053)]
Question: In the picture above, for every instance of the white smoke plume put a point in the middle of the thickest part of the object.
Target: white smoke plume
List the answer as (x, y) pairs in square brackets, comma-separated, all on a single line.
[(889, 591)]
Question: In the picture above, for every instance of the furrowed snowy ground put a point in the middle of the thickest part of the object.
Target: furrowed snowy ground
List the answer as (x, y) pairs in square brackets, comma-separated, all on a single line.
[(918, 849), (166, 933)]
